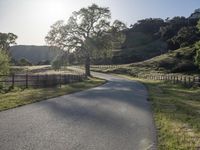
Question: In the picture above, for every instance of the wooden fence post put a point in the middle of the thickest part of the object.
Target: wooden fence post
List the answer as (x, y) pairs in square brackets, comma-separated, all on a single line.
[(185, 82), (193, 80), (181, 80), (189, 80), (60, 80), (38, 80), (13, 80), (26, 80), (174, 79)]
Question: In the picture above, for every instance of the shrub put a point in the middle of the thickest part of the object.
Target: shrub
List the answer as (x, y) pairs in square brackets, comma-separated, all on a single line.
[(184, 67), (24, 62), (197, 57), (56, 64), (4, 63), (178, 55), (167, 64)]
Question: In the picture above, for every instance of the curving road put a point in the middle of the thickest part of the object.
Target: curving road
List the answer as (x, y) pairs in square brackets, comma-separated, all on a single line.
[(114, 116)]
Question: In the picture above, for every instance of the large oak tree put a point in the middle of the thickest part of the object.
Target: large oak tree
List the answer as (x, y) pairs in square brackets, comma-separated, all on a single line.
[(89, 32)]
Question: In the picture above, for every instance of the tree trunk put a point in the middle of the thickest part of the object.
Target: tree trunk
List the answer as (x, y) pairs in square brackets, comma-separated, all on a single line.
[(87, 66)]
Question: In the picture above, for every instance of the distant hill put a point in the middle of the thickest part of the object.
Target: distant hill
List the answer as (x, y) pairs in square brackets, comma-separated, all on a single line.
[(34, 54), (152, 37)]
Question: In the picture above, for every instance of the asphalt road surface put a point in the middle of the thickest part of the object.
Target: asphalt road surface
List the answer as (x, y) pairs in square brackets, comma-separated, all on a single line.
[(114, 116)]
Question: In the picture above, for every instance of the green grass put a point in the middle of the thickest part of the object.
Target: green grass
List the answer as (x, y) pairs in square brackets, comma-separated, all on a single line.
[(177, 114), (19, 97), (178, 61)]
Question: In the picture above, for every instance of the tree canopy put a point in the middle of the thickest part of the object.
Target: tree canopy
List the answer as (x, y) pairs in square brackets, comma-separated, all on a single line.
[(197, 45), (6, 39), (88, 31)]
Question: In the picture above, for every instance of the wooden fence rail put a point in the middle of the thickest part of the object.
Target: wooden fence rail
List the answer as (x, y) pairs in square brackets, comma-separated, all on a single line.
[(38, 80), (173, 78)]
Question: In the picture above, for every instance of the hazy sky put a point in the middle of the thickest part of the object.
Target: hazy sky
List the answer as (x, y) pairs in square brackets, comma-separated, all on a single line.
[(31, 19)]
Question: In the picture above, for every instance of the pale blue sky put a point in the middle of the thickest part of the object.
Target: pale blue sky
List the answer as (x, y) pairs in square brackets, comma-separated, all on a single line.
[(31, 19)]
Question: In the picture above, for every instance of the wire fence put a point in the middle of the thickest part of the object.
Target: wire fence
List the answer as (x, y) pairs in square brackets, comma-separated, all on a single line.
[(39, 80)]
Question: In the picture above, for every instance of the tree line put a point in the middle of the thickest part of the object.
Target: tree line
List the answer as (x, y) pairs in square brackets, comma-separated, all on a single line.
[(89, 33), (89, 36)]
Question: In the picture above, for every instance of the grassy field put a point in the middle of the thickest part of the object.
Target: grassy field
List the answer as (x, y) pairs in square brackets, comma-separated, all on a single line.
[(43, 69), (177, 114), (18, 97)]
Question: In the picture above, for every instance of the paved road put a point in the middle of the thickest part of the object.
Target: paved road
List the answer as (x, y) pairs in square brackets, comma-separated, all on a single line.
[(115, 116)]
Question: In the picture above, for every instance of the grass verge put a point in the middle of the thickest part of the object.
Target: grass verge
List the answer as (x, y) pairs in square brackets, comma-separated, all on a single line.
[(177, 114), (19, 97)]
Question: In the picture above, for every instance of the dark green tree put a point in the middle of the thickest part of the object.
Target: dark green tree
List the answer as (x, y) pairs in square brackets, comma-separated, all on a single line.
[(197, 45), (186, 36), (148, 26), (5, 41), (56, 64)]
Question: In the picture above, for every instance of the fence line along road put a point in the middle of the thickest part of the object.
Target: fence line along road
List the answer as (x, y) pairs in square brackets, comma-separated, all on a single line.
[(173, 78), (39, 80)]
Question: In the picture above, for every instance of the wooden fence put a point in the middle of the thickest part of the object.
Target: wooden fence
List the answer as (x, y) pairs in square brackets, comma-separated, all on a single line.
[(173, 78), (39, 80)]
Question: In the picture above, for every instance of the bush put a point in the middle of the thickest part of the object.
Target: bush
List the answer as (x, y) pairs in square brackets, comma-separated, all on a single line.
[(45, 62), (197, 57), (167, 64), (24, 62), (184, 67), (178, 55), (4, 63), (56, 64)]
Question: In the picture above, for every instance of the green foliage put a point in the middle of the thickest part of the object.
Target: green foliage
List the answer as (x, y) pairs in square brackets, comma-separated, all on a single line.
[(6, 39), (148, 26), (198, 25), (179, 32), (87, 31), (197, 57), (180, 60), (24, 62), (140, 43), (4, 63), (56, 64), (197, 46), (186, 36)]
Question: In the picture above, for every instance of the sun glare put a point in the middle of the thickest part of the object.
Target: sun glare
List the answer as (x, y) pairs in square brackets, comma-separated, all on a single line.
[(51, 9)]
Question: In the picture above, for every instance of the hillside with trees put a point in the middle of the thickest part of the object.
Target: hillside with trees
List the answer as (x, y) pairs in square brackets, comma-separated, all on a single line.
[(144, 40), (154, 36), (34, 54)]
